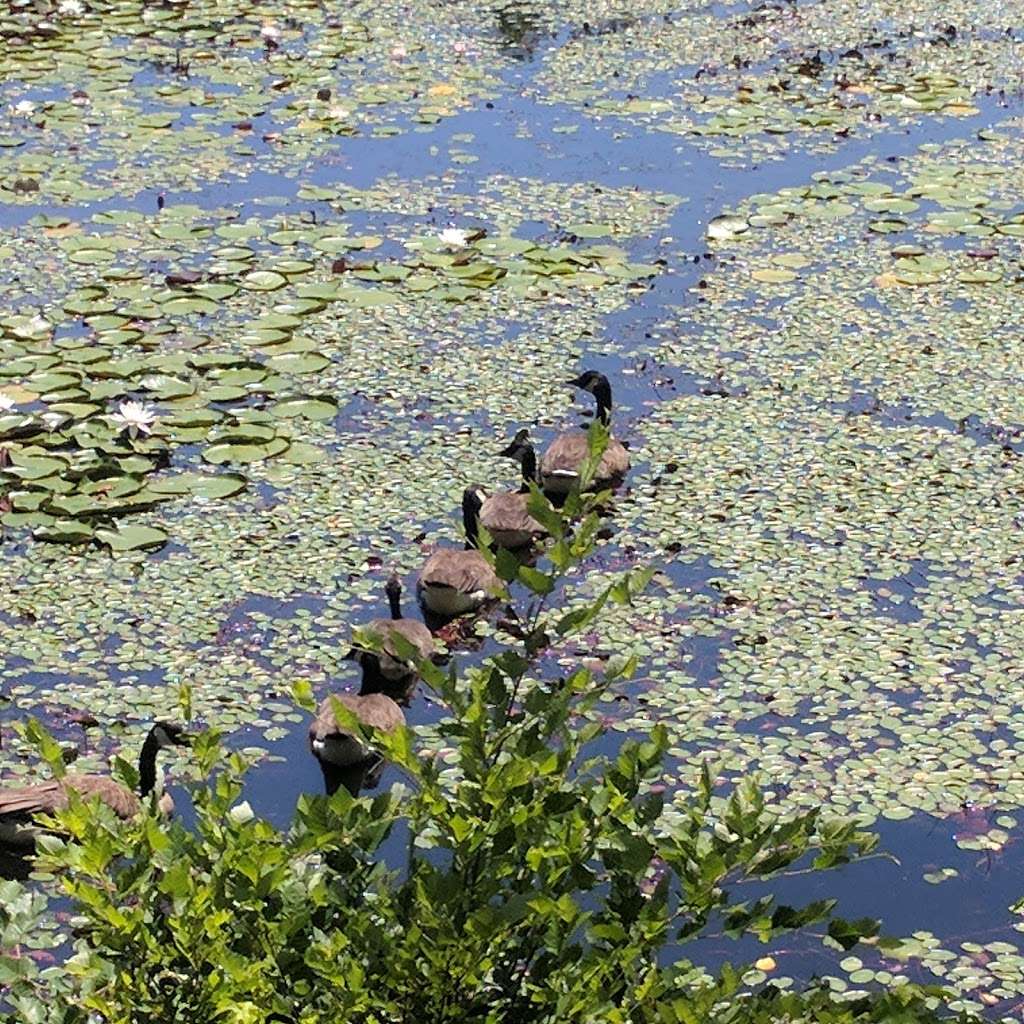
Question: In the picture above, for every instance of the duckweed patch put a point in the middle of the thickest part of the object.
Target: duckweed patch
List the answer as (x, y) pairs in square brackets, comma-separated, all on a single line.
[(750, 83)]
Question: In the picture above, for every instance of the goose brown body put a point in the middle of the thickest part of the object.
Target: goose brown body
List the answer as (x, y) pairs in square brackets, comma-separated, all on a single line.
[(20, 804), (560, 466), (344, 758), (388, 670), (505, 515), (24, 802), (508, 522), (453, 582), (330, 741), (393, 665)]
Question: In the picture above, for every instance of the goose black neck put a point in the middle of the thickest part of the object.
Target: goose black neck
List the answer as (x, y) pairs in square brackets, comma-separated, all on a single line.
[(603, 396), (373, 679), (351, 776), (470, 523), (395, 600), (147, 765), (529, 467)]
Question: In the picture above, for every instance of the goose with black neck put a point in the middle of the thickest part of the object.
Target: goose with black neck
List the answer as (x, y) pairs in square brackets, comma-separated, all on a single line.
[(563, 460)]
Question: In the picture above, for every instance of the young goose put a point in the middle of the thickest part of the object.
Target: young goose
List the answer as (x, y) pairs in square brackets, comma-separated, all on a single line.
[(453, 582), (504, 514), (345, 759), (387, 671), (560, 466), (20, 804)]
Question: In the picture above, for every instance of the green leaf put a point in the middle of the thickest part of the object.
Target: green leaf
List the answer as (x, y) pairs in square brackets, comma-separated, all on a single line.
[(128, 537), (536, 581)]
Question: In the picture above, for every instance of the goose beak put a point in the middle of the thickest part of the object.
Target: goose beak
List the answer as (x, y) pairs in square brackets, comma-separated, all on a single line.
[(576, 382)]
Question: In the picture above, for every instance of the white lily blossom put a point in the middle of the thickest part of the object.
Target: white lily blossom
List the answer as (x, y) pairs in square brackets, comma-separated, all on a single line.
[(54, 420), (6, 402), (35, 327), (134, 417), (454, 236), (26, 108), (71, 7)]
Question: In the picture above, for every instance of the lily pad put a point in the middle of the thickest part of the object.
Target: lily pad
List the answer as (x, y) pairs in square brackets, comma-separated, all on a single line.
[(132, 538), (309, 407)]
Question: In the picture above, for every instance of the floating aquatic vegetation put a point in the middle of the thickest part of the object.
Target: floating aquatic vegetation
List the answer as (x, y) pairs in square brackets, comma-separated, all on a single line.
[(226, 343), (751, 84), (850, 473), (123, 95)]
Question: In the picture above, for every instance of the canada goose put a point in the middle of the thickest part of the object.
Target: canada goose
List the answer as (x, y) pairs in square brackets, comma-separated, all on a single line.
[(345, 759), (453, 582), (386, 671), (504, 514), (20, 804), (560, 466)]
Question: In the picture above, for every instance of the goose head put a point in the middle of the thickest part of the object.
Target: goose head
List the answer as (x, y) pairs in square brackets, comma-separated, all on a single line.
[(472, 502), (521, 449), (170, 734), (596, 384), (590, 380), (518, 447)]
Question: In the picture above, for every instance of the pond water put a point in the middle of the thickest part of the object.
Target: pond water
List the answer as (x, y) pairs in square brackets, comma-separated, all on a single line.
[(790, 234)]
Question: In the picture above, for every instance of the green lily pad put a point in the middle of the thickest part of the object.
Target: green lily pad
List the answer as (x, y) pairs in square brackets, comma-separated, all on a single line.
[(63, 531), (128, 537), (298, 362), (201, 485), (300, 453), (264, 281), (586, 230), (309, 407), (244, 453)]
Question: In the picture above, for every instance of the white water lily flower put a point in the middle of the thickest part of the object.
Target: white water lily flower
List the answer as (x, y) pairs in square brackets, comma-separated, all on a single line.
[(271, 33), (38, 324), (6, 402), (454, 236), (54, 420), (399, 52), (134, 417), (71, 7), (26, 108)]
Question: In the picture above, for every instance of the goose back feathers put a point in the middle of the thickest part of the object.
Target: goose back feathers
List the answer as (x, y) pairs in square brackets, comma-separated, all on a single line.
[(388, 670), (505, 514), (453, 582), (345, 759), (20, 804), (560, 467)]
